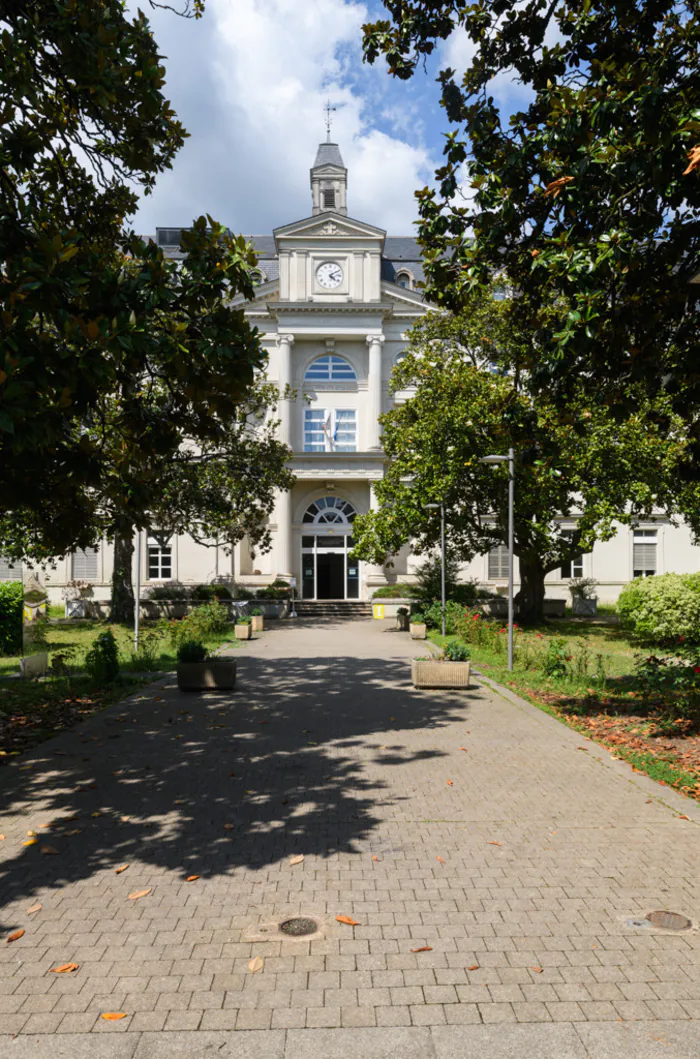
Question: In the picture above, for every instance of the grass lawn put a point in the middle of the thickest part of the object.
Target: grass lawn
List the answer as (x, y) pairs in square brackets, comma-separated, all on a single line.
[(599, 697), (32, 711)]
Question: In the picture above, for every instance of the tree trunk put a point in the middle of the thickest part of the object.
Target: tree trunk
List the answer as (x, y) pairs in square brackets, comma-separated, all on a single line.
[(530, 599), (122, 601)]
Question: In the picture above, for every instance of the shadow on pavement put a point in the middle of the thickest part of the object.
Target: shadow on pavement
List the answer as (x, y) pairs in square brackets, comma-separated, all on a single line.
[(281, 761)]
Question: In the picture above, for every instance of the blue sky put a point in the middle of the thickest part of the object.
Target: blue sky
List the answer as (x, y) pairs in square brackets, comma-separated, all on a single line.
[(250, 81)]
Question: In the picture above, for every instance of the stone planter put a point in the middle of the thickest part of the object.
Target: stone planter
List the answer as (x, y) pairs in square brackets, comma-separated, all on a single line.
[(215, 674), (258, 622), (555, 608), (584, 608), (402, 622), (244, 632), (429, 673), (75, 608), (273, 608), (418, 632)]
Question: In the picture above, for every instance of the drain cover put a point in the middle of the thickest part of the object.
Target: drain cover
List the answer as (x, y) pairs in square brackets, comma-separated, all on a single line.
[(669, 921), (297, 928)]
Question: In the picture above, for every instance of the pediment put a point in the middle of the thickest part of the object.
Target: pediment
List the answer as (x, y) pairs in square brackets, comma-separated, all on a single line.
[(391, 292), (329, 226)]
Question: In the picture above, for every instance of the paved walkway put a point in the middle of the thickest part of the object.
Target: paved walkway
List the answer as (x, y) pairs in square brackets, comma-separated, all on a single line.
[(515, 853)]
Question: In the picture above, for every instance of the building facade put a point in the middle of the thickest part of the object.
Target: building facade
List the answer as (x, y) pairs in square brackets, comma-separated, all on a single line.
[(334, 301)]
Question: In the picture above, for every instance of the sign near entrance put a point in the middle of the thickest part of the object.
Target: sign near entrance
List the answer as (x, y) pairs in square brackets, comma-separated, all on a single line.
[(292, 582)]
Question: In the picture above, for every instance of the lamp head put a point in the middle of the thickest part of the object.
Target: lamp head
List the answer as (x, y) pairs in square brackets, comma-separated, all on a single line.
[(432, 507), (493, 459)]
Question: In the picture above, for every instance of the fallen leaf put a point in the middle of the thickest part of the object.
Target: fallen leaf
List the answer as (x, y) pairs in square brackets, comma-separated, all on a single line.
[(347, 919), (31, 833), (140, 893), (464, 748), (113, 1016), (473, 967), (375, 858), (192, 878), (47, 849), (2, 838), (228, 827), (33, 909), (16, 936), (492, 842), (296, 860), (648, 801), (683, 817), (255, 965), (95, 814), (423, 948), (65, 968), (120, 869), (537, 970), (74, 831), (440, 859), (582, 748), (450, 783)]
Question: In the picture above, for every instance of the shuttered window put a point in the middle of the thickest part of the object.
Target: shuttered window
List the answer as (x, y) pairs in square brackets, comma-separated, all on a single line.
[(498, 563), (10, 571), (84, 564), (329, 198), (644, 553)]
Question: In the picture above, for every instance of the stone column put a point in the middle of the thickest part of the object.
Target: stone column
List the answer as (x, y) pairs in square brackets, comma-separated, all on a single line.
[(284, 376), (374, 390), (374, 575), (283, 518)]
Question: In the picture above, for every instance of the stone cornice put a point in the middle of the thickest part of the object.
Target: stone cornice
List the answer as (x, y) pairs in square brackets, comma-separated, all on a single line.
[(355, 308)]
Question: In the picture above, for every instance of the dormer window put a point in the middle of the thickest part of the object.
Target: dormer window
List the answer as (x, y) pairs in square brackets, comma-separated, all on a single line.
[(329, 198), (404, 279)]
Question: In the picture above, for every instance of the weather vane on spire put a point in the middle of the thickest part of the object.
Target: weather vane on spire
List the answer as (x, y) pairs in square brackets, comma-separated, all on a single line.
[(329, 110)]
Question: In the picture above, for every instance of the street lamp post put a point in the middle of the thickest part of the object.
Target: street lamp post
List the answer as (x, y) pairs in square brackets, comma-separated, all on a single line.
[(434, 507), (510, 460)]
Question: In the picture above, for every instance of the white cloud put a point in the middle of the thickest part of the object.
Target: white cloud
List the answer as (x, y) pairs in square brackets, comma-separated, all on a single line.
[(250, 82)]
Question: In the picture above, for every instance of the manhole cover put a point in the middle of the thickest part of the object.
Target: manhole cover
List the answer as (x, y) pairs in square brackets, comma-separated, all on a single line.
[(297, 928), (669, 921)]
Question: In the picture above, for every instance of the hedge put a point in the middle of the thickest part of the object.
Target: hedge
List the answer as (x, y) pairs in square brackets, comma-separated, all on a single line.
[(11, 608), (664, 609)]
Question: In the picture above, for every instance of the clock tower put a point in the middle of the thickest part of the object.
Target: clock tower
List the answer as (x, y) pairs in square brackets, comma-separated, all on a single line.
[(329, 180)]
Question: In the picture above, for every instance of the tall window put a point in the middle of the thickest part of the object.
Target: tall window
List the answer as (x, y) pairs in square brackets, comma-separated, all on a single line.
[(330, 430), (160, 560), (330, 369), (573, 567), (498, 563), (84, 564), (329, 198), (10, 571), (644, 562)]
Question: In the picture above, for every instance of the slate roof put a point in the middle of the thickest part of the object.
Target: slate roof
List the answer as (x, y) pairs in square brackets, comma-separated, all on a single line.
[(329, 154)]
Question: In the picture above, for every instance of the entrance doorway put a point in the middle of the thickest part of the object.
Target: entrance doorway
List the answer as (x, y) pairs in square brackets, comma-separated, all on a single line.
[(330, 575), (328, 572)]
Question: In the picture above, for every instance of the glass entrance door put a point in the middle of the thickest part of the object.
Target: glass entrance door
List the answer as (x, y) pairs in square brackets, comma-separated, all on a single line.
[(327, 572)]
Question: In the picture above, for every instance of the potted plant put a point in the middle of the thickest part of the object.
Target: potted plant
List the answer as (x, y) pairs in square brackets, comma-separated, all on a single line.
[(584, 601), (402, 619), (417, 627), (257, 620), (451, 669), (197, 672), (244, 627)]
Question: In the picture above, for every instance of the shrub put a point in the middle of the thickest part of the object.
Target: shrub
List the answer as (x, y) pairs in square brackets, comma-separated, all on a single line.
[(279, 589), (102, 660), (211, 591), (207, 620), (149, 651), (171, 590), (239, 592), (555, 662), (191, 651), (456, 651), (453, 613), (397, 591), (11, 608), (417, 618), (246, 619), (663, 609), (255, 613)]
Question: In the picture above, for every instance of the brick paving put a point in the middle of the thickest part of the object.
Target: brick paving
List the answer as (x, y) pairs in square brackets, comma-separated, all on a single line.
[(520, 875)]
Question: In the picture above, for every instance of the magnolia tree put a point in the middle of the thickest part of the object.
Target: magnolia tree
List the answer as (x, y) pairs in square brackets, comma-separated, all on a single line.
[(576, 477), (588, 193)]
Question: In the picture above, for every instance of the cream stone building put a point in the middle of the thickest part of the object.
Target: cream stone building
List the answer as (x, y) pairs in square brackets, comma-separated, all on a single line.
[(334, 301)]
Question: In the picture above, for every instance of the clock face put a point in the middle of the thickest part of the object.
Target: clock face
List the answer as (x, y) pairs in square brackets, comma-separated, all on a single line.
[(329, 275)]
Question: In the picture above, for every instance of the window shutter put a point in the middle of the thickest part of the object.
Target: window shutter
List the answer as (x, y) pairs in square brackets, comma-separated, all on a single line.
[(328, 197), (498, 562), (84, 565), (10, 571), (644, 557)]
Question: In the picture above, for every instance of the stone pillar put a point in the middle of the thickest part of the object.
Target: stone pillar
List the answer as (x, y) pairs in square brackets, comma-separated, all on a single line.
[(374, 390), (374, 575), (283, 547), (284, 375)]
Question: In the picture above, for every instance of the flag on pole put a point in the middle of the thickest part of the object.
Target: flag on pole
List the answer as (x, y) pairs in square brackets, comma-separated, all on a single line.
[(327, 432)]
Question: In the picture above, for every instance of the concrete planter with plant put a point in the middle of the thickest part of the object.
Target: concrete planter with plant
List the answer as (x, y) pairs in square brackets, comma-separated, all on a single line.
[(244, 628), (417, 627), (451, 670), (257, 620), (197, 672)]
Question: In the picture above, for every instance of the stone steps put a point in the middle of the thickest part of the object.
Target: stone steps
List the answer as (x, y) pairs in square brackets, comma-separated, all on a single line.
[(352, 610)]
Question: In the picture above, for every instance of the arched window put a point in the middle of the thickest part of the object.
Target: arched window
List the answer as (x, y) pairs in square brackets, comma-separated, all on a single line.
[(404, 279), (329, 510), (401, 356), (330, 369)]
